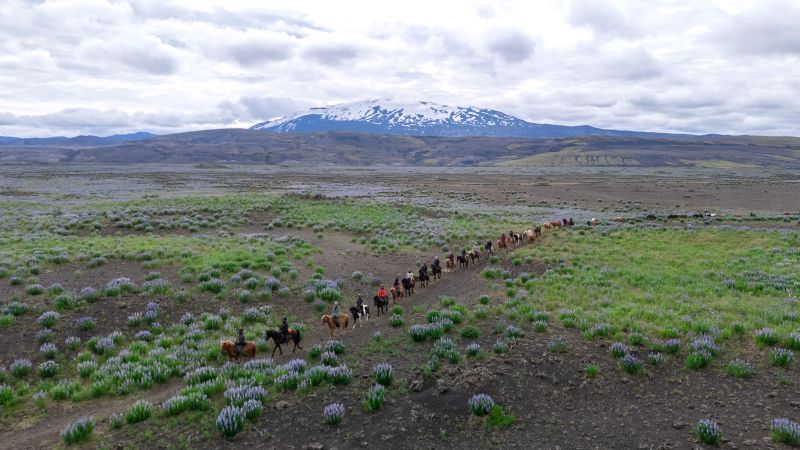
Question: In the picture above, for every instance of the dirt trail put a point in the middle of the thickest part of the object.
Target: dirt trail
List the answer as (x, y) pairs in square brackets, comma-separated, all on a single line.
[(44, 433)]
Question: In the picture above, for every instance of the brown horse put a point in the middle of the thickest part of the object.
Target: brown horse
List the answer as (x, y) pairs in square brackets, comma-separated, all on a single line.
[(397, 294), (474, 255), (501, 244), (344, 319), (553, 224), (449, 264), (529, 235), (249, 350)]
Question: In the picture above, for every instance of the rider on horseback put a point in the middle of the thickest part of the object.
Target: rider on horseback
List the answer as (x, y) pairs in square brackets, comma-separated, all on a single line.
[(360, 303), (337, 310), (284, 329), (381, 295), (488, 247), (240, 343)]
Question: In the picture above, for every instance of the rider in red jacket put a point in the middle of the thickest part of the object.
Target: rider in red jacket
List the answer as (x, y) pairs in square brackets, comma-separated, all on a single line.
[(382, 292)]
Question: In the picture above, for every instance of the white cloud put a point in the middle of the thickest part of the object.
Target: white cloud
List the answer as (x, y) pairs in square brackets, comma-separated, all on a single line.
[(104, 66)]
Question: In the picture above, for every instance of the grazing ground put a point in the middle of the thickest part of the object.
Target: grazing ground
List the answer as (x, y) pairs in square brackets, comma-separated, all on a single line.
[(118, 284)]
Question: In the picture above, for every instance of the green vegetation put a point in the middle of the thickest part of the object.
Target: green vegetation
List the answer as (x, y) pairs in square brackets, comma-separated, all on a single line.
[(662, 283)]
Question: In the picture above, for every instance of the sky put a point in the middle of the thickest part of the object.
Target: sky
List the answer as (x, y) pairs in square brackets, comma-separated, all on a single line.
[(71, 67)]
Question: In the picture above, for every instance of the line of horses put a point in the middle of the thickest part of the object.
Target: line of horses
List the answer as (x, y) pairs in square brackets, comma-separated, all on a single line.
[(403, 287)]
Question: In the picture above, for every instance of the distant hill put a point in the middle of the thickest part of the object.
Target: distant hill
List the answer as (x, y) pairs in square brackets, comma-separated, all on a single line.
[(240, 146), (78, 141), (428, 119)]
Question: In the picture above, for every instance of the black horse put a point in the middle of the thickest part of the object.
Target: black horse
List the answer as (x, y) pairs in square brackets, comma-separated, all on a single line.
[(279, 340), (408, 286), (381, 304), (436, 269), (423, 276), (462, 261)]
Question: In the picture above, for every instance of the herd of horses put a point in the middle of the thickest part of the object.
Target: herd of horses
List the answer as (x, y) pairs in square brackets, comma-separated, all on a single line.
[(403, 287)]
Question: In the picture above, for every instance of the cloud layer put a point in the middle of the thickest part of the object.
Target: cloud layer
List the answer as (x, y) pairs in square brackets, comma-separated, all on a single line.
[(71, 67)]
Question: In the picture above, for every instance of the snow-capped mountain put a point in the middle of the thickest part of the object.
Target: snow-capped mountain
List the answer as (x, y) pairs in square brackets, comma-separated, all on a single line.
[(423, 118)]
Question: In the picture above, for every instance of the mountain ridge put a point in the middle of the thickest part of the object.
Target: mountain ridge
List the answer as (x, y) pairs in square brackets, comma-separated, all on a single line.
[(82, 140), (423, 118), (243, 146)]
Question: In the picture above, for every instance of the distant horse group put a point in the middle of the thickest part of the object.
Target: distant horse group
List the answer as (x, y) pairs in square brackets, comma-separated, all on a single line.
[(404, 287)]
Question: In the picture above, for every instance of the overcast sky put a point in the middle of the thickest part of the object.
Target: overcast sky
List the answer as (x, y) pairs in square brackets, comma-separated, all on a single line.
[(104, 66)]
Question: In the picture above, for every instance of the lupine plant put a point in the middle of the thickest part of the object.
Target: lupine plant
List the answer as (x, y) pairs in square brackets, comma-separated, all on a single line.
[(481, 404), (785, 431), (708, 431), (375, 397), (230, 421), (334, 413), (383, 374), (78, 431)]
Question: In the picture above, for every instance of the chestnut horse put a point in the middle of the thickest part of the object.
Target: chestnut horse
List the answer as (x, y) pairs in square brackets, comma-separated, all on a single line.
[(474, 255), (249, 350), (397, 294), (501, 244), (552, 224), (344, 319)]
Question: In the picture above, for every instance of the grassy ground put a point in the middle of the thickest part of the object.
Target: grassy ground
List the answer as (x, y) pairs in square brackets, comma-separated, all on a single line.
[(628, 283), (669, 283)]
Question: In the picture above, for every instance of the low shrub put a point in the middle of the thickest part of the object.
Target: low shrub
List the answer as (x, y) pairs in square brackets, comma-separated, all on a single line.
[(781, 357), (708, 432), (139, 412), (78, 431), (785, 431), (481, 404), (383, 374), (230, 421), (334, 413), (740, 368), (375, 398)]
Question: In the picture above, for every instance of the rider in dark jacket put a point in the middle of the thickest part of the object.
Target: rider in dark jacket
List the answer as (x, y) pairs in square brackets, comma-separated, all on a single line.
[(284, 328), (360, 304), (240, 342), (335, 312)]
